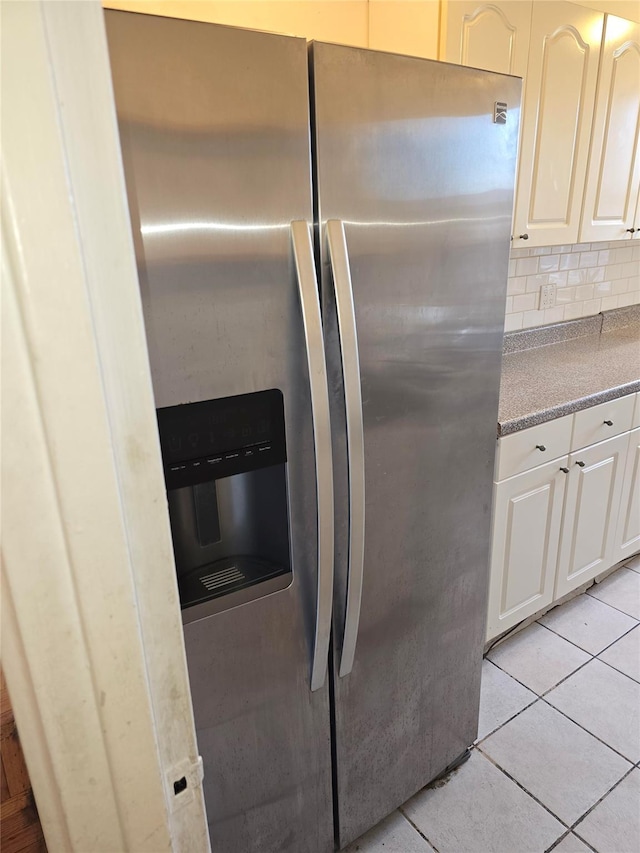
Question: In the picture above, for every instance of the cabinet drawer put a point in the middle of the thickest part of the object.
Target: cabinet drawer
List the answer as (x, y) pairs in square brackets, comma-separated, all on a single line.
[(534, 446), (601, 422)]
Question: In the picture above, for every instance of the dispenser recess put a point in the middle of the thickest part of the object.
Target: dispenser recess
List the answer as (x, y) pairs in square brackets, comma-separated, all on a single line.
[(225, 471)]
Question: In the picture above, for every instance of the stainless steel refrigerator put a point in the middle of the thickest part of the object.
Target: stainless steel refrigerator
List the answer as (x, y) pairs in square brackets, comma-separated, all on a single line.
[(322, 237)]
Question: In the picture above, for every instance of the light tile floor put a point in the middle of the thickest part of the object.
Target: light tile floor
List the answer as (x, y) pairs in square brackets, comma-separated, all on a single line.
[(557, 762)]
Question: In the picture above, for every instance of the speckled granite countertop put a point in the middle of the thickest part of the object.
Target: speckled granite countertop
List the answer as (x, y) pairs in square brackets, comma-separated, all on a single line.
[(557, 370)]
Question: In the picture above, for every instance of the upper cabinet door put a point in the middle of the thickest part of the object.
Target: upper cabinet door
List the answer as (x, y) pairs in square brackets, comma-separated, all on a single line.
[(493, 36), (557, 116), (611, 192)]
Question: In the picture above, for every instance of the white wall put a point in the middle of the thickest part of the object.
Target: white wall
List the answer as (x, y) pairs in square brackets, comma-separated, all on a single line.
[(401, 26)]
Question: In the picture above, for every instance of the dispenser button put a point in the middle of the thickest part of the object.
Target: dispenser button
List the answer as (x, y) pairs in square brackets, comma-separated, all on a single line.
[(265, 447), (213, 459), (177, 467), (231, 455)]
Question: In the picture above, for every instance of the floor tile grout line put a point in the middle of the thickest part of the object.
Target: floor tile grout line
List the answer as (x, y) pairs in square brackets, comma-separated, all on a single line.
[(619, 671), (513, 631), (612, 606), (417, 829), (540, 695), (477, 745), (597, 584), (559, 841), (493, 731), (586, 651), (575, 645), (593, 656), (595, 805), (522, 788), (569, 827), (573, 672), (542, 698), (580, 726), (586, 592)]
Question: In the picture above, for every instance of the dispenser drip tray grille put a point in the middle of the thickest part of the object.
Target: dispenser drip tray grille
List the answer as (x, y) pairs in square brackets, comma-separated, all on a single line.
[(214, 580), (224, 576)]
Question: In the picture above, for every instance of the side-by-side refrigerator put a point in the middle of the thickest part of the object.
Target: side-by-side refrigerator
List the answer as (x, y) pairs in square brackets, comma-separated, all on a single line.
[(322, 237)]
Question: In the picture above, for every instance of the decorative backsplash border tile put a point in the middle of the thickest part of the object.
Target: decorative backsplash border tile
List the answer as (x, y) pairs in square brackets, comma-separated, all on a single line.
[(540, 336), (589, 277)]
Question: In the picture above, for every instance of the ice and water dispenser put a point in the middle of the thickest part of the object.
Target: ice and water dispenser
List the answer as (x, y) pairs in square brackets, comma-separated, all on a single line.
[(225, 471)]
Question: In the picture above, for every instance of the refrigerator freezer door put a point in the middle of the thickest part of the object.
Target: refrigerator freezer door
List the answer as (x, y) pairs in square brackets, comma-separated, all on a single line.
[(215, 136), (409, 158)]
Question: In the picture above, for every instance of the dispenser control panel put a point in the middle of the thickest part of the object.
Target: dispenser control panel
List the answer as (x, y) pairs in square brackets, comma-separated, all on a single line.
[(217, 438)]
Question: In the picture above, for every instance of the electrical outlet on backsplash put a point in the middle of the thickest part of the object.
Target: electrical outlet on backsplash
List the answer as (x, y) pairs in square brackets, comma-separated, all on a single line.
[(589, 278)]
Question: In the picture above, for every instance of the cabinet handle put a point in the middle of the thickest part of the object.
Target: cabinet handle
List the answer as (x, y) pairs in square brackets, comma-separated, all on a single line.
[(564, 470), (581, 464), (632, 230), (523, 236), (540, 447), (609, 423)]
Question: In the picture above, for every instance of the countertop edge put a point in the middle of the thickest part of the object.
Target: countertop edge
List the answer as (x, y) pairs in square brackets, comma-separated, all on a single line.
[(534, 418)]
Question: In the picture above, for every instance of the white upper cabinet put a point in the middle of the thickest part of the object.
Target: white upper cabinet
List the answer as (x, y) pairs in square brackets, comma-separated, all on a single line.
[(556, 123), (555, 47), (493, 36), (613, 178)]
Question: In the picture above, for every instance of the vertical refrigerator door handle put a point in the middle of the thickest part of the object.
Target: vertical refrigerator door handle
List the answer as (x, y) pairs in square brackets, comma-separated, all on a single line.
[(310, 305), (339, 259)]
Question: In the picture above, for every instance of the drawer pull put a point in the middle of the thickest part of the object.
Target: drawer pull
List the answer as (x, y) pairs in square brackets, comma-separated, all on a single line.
[(581, 464), (540, 447), (564, 470), (609, 423)]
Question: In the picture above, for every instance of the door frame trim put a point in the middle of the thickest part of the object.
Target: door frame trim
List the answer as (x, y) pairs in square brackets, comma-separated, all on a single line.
[(93, 646)]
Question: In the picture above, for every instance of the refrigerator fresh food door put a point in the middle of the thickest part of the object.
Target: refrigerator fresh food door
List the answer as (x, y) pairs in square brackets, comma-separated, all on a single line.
[(414, 174), (214, 124)]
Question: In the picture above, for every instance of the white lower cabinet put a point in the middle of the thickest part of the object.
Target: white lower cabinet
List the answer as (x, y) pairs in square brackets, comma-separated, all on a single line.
[(558, 525), (527, 515), (627, 539), (591, 511)]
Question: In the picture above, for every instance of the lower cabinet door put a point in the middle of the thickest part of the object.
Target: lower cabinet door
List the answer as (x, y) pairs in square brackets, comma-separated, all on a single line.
[(592, 503), (627, 540), (527, 512)]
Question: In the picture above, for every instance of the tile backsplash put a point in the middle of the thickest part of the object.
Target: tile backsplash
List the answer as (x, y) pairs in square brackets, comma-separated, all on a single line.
[(589, 277)]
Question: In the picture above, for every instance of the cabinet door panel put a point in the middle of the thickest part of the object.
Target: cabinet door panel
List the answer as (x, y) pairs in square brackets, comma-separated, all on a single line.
[(526, 531), (493, 36), (591, 512), (628, 533), (558, 110), (613, 178)]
